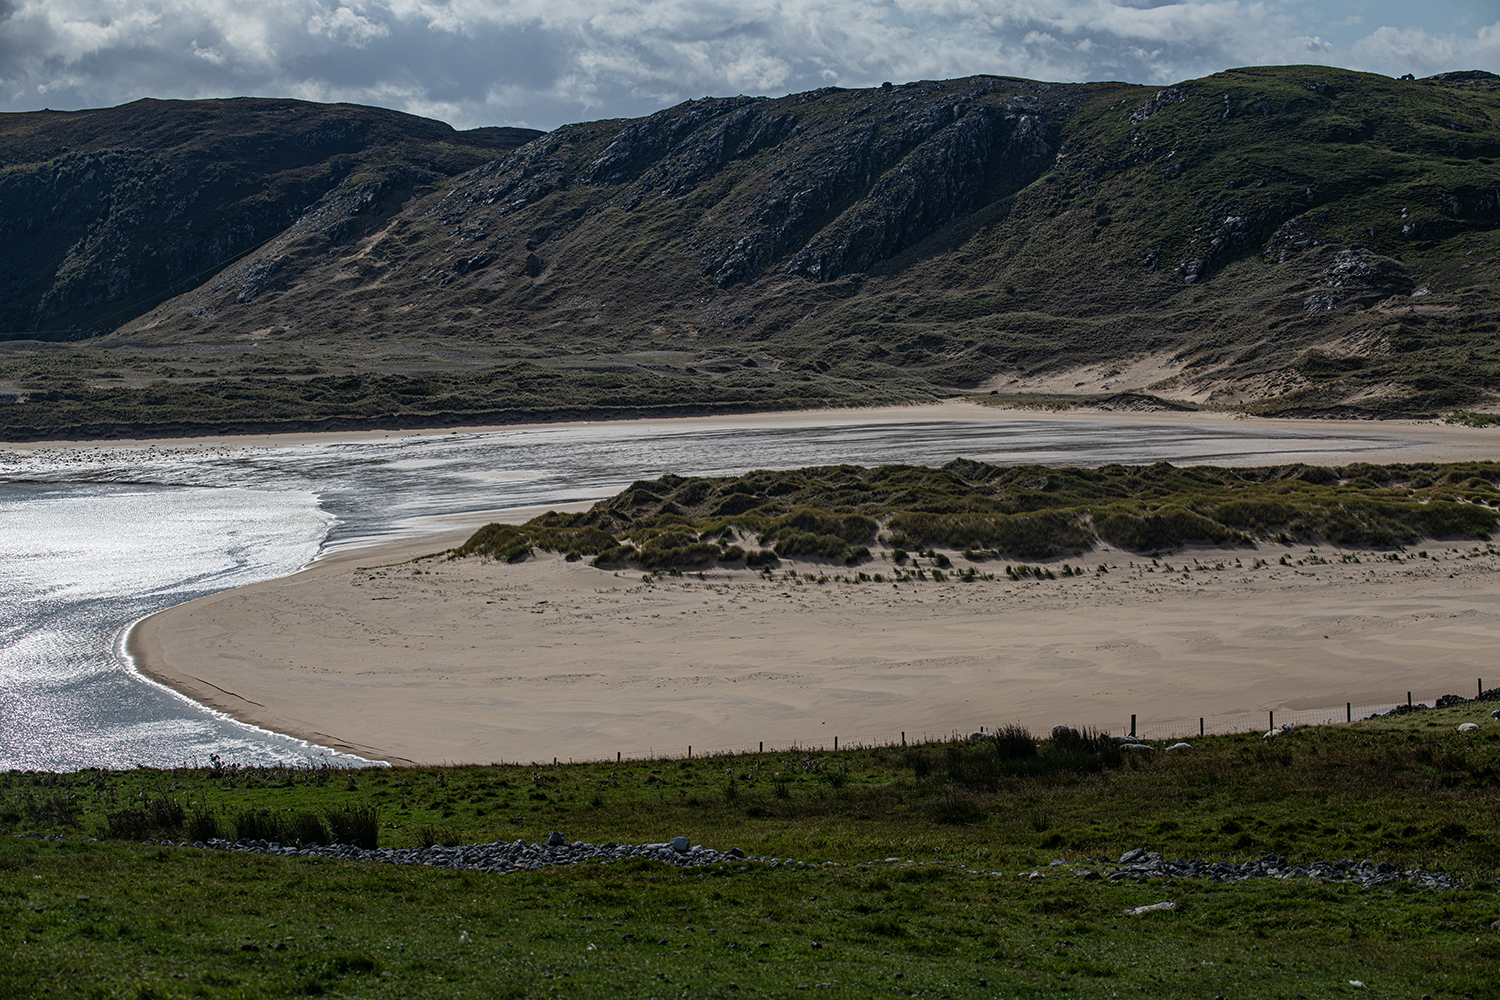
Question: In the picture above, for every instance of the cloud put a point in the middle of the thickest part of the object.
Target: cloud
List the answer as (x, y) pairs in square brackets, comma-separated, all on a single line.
[(1413, 50), (546, 62)]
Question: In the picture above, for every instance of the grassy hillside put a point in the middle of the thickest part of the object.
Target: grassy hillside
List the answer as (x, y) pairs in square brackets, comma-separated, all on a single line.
[(928, 870), (106, 212), (1289, 240)]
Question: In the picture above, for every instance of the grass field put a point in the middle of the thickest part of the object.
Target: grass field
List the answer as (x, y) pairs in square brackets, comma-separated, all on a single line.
[(958, 915)]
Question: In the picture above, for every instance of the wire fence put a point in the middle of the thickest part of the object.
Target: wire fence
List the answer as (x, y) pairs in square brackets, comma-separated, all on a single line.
[(1138, 724)]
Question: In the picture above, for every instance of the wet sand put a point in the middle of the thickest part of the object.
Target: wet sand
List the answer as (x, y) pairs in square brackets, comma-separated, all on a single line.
[(1391, 440), (470, 660)]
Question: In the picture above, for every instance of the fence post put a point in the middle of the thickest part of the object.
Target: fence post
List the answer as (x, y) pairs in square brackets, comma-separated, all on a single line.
[(617, 756), (1408, 699), (1348, 711), (1200, 725), (1271, 717), (690, 751), (1132, 725), (903, 737), (762, 746), (835, 742)]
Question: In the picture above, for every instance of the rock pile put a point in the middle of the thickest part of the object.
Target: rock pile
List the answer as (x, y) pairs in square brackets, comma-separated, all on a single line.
[(1138, 865), (1141, 865), (502, 857), (1446, 701)]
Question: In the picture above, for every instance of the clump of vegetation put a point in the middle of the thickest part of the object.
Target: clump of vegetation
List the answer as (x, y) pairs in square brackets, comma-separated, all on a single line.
[(151, 815), (835, 513), (357, 825), (1469, 418)]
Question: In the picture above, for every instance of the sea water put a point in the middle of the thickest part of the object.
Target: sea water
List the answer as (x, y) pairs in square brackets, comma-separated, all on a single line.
[(80, 562), (96, 537)]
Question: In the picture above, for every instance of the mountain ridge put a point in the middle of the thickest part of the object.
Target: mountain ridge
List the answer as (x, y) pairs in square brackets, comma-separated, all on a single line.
[(1287, 240), (88, 198)]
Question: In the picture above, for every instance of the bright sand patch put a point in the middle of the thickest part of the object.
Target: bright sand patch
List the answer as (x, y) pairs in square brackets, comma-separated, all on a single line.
[(471, 660)]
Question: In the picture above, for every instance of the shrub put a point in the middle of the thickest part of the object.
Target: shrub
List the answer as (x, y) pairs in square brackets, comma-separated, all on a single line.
[(1027, 536), (956, 805), (152, 816), (437, 836), (616, 556), (305, 828), (358, 826), (1013, 742), (1166, 528), (203, 824), (257, 824), (693, 554), (55, 807)]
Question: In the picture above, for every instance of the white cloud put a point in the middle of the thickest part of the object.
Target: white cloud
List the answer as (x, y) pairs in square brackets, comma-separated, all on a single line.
[(545, 62), (1413, 50), (347, 26)]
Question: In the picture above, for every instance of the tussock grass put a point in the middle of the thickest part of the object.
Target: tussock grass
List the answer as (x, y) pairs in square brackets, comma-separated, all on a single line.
[(834, 513)]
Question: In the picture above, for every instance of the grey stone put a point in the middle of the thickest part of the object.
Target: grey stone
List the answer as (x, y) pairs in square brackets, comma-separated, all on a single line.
[(555, 839), (680, 844)]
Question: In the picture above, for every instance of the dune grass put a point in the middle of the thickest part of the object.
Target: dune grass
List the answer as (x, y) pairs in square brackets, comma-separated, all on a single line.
[(1021, 512)]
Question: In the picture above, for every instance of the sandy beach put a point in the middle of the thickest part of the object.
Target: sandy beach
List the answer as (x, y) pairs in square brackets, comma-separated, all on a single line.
[(471, 661), (440, 660)]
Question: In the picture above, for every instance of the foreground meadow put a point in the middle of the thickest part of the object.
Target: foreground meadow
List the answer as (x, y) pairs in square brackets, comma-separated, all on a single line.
[(921, 871)]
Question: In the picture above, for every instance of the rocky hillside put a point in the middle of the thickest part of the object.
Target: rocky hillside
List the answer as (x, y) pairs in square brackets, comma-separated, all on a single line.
[(105, 213), (1296, 240)]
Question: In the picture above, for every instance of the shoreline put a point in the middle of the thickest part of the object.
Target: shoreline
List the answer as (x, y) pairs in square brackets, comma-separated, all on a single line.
[(470, 661), (1438, 442), (140, 644), (227, 668)]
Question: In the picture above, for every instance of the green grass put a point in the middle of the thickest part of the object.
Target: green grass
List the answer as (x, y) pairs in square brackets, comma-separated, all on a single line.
[(1023, 512), (113, 918)]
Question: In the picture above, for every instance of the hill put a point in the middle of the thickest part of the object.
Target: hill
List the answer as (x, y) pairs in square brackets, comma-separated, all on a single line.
[(1289, 240), (104, 213)]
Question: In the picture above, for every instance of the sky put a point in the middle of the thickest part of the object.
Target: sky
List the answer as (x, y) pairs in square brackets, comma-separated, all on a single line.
[(544, 63)]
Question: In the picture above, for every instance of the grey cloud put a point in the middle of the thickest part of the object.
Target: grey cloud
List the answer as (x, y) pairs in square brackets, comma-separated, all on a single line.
[(546, 62)]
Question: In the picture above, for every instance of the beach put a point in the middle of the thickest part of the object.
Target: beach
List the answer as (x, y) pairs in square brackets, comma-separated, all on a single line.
[(377, 651), (471, 660)]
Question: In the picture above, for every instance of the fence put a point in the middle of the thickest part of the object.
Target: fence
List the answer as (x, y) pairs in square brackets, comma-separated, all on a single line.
[(1137, 724)]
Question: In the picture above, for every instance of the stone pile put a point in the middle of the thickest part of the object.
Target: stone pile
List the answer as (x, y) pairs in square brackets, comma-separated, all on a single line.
[(1141, 865), (504, 857)]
